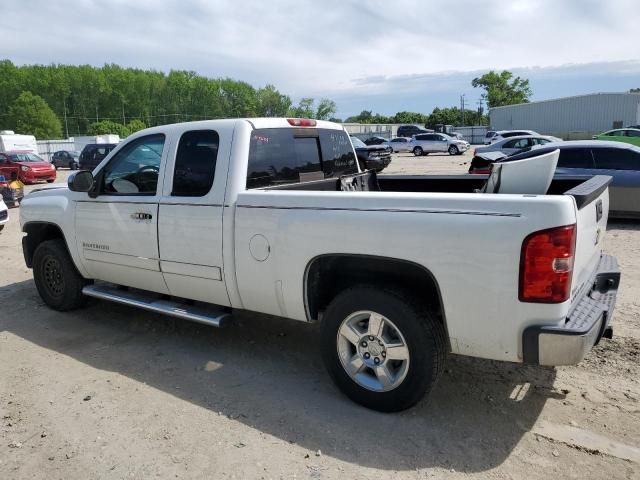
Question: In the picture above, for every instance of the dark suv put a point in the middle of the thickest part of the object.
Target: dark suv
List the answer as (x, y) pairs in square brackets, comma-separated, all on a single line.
[(411, 130), (93, 153)]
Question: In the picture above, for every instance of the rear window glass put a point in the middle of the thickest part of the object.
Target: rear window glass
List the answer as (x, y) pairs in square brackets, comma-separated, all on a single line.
[(575, 158), (279, 156), (616, 159)]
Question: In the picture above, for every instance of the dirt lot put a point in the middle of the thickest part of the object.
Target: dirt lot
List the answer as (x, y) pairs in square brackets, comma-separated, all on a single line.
[(109, 392)]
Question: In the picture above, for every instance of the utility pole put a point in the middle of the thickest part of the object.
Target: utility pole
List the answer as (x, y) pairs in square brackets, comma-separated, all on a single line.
[(124, 121), (66, 125), (97, 112), (462, 107)]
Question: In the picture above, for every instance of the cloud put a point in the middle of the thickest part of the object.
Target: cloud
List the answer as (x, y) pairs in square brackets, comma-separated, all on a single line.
[(334, 48)]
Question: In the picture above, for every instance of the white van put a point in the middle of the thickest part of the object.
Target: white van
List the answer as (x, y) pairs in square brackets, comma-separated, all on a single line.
[(10, 141)]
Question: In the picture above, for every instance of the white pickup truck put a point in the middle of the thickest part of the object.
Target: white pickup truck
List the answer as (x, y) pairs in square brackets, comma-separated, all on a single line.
[(199, 219)]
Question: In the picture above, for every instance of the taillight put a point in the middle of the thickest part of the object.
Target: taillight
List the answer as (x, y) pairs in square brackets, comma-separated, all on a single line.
[(546, 265), (301, 122)]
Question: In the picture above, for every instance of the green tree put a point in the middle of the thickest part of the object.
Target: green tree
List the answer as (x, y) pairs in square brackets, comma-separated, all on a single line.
[(326, 109), (30, 114), (134, 125), (502, 89), (634, 90), (105, 127), (271, 103), (304, 109)]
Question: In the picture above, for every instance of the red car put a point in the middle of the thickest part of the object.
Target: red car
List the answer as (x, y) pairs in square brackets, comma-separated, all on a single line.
[(27, 166)]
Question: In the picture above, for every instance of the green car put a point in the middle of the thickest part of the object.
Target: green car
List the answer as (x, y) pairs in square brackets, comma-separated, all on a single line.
[(627, 135)]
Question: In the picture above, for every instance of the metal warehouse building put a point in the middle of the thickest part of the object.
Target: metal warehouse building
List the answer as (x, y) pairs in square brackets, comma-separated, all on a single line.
[(572, 117)]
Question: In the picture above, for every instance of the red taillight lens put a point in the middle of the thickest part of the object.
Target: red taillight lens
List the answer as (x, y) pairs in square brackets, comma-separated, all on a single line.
[(301, 122), (546, 265)]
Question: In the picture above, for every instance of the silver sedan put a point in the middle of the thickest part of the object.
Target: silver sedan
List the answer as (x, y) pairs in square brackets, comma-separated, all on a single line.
[(399, 144), (515, 144)]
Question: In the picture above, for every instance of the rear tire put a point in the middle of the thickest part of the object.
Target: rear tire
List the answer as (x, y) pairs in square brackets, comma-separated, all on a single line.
[(50, 181), (379, 379), (58, 281), (1, 227), (453, 150), (418, 152)]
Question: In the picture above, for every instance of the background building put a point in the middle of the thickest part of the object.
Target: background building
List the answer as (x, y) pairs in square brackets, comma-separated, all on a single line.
[(572, 117)]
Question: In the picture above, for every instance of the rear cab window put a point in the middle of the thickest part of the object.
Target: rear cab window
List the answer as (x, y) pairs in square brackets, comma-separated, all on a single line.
[(279, 156)]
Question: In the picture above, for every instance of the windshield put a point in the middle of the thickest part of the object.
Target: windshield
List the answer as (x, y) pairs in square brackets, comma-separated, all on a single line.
[(25, 157), (357, 142)]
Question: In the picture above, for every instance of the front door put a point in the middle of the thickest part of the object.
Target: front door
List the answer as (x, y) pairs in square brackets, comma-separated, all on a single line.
[(190, 216), (117, 231)]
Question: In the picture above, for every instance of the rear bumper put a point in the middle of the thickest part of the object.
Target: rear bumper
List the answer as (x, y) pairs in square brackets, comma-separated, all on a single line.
[(587, 323)]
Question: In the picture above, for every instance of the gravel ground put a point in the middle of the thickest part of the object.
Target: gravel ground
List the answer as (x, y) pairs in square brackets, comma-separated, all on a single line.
[(109, 392)]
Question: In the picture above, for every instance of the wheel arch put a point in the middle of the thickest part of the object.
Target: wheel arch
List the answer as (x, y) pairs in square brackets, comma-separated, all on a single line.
[(36, 233), (327, 274)]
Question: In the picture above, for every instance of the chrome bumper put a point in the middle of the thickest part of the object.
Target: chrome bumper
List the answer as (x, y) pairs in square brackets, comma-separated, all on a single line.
[(587, 323)]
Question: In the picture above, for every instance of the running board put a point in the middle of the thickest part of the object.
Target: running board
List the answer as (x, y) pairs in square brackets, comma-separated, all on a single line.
[(154, 303)]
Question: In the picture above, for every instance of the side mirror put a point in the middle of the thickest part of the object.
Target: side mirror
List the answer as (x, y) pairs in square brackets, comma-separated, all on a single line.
[(81, 181)]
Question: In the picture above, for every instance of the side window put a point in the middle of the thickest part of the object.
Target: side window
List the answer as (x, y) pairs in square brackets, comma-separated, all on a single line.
[(510, 144), (422, 137), (195, 163), (540, 141), (134, 170), (616, 159), (277, 157), (575, 158), (633, 133)]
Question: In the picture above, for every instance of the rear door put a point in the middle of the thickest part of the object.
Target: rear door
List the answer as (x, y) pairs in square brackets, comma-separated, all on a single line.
[(623, 164), (190, 214)]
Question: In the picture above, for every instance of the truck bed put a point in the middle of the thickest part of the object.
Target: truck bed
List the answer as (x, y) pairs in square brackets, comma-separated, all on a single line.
[(583, 188)]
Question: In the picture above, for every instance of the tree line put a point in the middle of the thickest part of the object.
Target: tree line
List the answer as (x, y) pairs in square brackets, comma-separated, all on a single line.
[(86, 99), (52, 101)]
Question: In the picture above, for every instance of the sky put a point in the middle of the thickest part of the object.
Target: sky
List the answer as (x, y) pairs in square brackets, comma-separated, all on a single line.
[(369, 54)]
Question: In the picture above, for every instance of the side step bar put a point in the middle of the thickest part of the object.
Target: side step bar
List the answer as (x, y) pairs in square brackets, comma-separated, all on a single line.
[(154, 303)]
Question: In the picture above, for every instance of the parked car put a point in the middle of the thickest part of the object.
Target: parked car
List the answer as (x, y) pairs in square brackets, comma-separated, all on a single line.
[(371, 157), (93, 153), (399, 144), (388, 266), (589, 157), (626, 135), (456, 135), (66, 158), (427, 143), (28, 167), (502, 134), (515, 144), (376, 141), (4, 214), (411, 130), (488, 136)]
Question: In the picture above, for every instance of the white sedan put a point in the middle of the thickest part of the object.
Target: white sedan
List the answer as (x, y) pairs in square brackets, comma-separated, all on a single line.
[(399, 144), (515, 144)]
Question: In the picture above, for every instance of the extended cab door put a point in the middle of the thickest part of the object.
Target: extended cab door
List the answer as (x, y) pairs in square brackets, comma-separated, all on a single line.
[(116, 225), (191, 208)]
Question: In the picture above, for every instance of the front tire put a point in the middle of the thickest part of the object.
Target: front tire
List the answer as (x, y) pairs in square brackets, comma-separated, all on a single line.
[(58, 281), (418, 152), (453, 150), (382, 347)]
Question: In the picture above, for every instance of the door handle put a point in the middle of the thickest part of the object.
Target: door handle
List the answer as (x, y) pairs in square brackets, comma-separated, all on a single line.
[(141, 216)]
